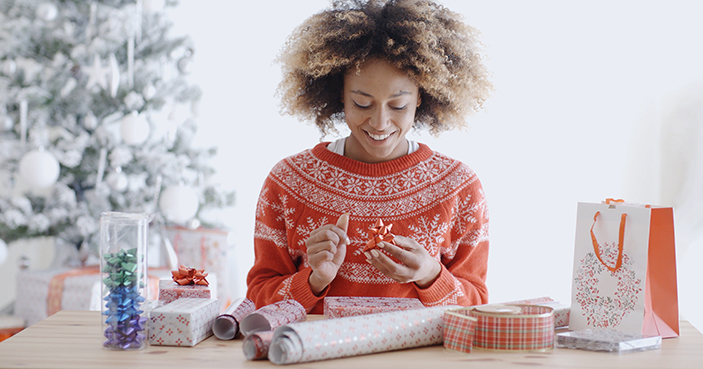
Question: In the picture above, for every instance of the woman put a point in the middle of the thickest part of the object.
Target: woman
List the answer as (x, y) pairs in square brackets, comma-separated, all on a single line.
[(382, 68)]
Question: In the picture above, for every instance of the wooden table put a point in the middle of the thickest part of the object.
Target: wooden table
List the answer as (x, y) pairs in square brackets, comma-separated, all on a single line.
[(73, 339)]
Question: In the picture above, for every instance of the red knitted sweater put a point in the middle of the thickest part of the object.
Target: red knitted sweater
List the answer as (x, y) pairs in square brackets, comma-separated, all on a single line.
[(429, 197)]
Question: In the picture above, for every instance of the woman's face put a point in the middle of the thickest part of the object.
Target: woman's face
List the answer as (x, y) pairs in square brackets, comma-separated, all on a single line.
[(379, 105)]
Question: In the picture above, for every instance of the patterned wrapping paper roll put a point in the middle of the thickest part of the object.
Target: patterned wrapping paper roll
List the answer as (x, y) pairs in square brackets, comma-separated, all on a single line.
[(514, 327), (256, 346), (357, 335), (272, 316), (226, 326)]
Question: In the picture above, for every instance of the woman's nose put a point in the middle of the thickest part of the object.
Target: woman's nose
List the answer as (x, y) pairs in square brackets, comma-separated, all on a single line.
[(380, 119)]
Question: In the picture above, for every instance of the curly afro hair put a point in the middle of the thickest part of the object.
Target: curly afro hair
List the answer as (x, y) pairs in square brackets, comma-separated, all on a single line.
[(439, 52)]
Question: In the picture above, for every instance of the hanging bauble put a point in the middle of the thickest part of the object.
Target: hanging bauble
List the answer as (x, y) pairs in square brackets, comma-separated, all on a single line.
[(149, 91), (47, 12), (3, 252), (39, 169), (90, 122), (184, 62), (9, 67), (68, 87), (6, 122), (114, 75), (117, 180), (134, 129), (179, 203), (97, 74)]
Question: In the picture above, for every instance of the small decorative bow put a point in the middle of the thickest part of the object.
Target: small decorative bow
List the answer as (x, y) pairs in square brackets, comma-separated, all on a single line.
[(379, 232), (185, 275)]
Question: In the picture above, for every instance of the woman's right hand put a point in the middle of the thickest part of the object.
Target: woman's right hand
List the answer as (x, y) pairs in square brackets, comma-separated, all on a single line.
[(326, 248)]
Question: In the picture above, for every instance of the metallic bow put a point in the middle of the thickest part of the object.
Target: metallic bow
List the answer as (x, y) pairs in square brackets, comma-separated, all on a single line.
[(379, 232), (185, 275)]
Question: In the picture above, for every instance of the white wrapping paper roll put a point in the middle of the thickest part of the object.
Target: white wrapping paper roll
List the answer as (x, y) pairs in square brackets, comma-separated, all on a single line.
[(357, 335)]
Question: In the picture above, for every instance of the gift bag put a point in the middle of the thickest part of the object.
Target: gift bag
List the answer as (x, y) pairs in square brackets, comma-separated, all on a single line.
[(624, 275)]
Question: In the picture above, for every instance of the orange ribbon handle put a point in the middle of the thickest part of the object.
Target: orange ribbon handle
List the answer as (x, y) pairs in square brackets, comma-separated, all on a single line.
[(621, 237)]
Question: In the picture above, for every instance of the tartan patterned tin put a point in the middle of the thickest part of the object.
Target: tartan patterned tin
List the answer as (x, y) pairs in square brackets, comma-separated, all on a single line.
[(256, 345), (459, 328), (514, 327)]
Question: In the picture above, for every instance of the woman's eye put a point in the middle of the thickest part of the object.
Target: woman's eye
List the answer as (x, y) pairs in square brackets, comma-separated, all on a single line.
[(399, 108), (361, 106)]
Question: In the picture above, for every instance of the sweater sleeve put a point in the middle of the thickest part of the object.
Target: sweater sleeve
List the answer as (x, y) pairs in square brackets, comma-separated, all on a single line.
[(278, 272), (462, 279)]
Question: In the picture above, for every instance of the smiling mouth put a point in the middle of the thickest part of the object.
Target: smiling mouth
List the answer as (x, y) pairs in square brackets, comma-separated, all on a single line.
[(378, 137)]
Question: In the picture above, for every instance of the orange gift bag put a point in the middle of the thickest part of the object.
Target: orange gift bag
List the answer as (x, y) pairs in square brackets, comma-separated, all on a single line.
[(624, 274)]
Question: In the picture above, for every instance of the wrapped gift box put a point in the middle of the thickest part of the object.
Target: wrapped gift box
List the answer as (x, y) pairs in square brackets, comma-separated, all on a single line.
[(170, 291), (337, 307), (10, 325), (561, 313), (41, 293), (204, 248), (184, 322)]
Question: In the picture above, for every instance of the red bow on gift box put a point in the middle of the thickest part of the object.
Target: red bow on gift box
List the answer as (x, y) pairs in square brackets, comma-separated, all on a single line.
[(185, 275), (379, 233)]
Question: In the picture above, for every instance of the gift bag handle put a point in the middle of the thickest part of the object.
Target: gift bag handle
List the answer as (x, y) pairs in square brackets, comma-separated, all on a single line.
[(621, 237)]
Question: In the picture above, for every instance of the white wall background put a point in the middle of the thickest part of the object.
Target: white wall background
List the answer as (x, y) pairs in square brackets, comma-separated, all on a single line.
[(575, 81)]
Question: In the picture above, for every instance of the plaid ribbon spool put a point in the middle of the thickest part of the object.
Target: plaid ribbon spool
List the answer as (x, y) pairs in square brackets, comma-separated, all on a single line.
[(514, 327), (459, 330)]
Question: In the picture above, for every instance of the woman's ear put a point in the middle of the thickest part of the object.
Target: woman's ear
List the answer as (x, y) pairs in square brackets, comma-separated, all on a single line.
[(419, 100)]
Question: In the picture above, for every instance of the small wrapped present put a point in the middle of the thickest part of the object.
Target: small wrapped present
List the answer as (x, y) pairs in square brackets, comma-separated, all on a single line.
[(186, 283), (170, 291), (338, 306), (184, 322), (561, 313)]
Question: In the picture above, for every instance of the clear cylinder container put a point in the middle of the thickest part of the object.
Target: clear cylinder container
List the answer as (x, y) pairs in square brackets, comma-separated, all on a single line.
[(123, 265)]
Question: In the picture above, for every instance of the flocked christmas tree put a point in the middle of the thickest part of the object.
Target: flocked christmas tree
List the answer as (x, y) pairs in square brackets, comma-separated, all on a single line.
[(96, 115)]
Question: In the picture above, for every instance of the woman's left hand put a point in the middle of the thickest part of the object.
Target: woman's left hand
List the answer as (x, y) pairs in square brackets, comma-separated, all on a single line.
[(416, 264)]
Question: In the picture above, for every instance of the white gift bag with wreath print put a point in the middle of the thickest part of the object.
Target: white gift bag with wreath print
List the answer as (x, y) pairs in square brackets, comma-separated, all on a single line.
[(624, 274)]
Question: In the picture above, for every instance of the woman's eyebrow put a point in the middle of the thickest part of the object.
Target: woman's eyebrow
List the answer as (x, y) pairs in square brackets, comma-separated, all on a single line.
[(401, 93)]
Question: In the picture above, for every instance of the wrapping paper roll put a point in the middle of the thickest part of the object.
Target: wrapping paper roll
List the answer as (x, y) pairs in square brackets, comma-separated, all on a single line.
[(357, 335), (514, 327), (226, 326), (256, 346), (272, 316)]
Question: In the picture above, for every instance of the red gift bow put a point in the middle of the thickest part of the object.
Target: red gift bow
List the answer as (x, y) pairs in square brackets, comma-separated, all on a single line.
[(185, 275), (379, 232)]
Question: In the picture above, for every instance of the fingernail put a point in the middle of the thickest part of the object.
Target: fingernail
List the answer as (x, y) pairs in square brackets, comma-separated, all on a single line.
[(347, 240), (380, 245), (374, 253), (368, 256)]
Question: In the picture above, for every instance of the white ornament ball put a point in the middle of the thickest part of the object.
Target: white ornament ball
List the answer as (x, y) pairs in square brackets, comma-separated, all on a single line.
[(134, 129), (179, 203), (90, 122), (39, 169), (3, 252), (149, 91), (117, 181), (47, 12), (6, 123), (9, 67)]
